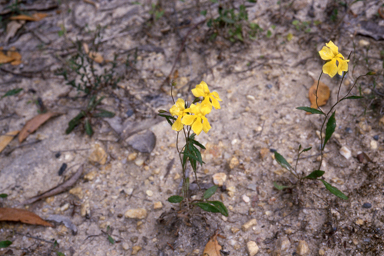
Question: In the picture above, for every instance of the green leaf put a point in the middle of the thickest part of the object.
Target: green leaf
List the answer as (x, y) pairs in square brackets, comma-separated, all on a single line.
[(5, 244), (281, 160), (227, 20), (210, 192), (3, 195), (175, 199), (162, 111), (207, 207), (219, 205), (334, 190), (315, 174), (331, 126), (279, 187), (74, 122), (12, 92), (88, 127), (203, 12), (353, 97), (104, 113), (311, 110), (306, 149), (371, 73), (198, 144), (269, 33), (111, 240), (60, 254)]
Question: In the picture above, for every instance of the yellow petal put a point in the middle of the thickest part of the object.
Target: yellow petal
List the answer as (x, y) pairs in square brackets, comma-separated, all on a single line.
[(204, 87), (216, 95), (330, 68), (326, 53), (197, 126), (333, 47), (188, 119), (206, 125), (197, 92), (180, 103), (343, 65), (177, 126), (206, 108), (215, 103)]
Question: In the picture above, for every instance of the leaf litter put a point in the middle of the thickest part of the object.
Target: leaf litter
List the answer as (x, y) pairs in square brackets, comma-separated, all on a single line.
[(213, 247), (322, 94), (24, 216), (34, 123), (6, 139)]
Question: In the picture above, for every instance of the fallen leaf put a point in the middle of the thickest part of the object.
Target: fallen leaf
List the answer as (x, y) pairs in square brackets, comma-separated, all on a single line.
[(33, 17), (6, 139), (212, 248), (323, 95), (58, 189), (33, 124), (12, 53), (12, 28), (93, 55), (24, 216)]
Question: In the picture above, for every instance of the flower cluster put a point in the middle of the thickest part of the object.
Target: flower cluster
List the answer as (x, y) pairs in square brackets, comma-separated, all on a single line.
[(195, 114), (336, 62)]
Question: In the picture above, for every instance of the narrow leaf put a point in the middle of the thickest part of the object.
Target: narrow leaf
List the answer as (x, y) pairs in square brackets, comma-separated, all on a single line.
[(111, 240), (3, 195), (175, 199), (306, 149), (279, 187), (207, 207), (219, 205), (311, 110), (60, 254), (74, 122), (353, 97), (104, 113), (12, 92), (331, 126), (281, 160), (334, 190), (5, 244), (314, 175), (210, 192), (198, 144), (371, 73), (88, 127)]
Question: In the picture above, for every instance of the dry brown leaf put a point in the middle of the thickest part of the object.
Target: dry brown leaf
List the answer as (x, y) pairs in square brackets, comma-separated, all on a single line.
[(15, 56), (212, 248), (33, 124), (6, 139), (323, 94), (24, 216), (93, 55), (34, 17), (12, 28), (4, 58)]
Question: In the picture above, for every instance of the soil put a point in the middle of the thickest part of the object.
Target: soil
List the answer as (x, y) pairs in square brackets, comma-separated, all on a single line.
[(261, 82)]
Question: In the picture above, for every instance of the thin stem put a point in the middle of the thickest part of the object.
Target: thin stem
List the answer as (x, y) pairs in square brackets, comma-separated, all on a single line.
[(317, 89)]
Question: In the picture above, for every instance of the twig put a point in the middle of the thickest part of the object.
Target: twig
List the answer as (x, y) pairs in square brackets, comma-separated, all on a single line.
[(58, 189)]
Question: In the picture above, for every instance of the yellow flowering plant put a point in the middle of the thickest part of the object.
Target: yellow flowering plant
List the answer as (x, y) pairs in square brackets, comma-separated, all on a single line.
[(336, 64), (191, 120)]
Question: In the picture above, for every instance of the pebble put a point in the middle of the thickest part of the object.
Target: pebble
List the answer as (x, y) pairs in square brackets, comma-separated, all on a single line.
[(272, 150), (77, 191), (135, 249), (373, 144), (177, 176), (359, 222), (134, 239), (64, 207), (367, 205), (248, 225), (258, 129), (196, 251), (219, 178), (250, 97), (85, 209), (90, 176), (149, 193), (376, 137), (363, 43), (246, 198), (233, 162), (252, 248), (125, 246), (367, 91), (98, 155), (231, 191), (345, 152), (235, 230), (132, 156), (139, 213), (288, 231), (283, 244), (269, 86), (252, 187), (302, 248), (157, 205), (139, 162), (263, 152), (321, 252), (348, 130)]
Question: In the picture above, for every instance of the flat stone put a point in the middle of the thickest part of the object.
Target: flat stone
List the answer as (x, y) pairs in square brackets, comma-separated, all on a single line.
[(90, 176), (231, 191), (359, 222), (98, 155), (252, 248), (77, 191), (139, 213), (246, 198), (85, 209), (283, 244), (125, 246), (149, 193), (219, 178), (302, 248), (233, 162), (235, 230), (248, 225), (345, 152), (373, 144), (364, 43), (139, 162), (132, 156)]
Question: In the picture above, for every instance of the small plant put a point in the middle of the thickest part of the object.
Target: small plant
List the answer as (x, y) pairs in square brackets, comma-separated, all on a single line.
[(156, 11), (336, 64), (81, 74), (301, 26), (190, 120)]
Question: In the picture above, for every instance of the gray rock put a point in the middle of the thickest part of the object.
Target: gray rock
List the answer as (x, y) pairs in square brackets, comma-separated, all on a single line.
[(143, 142)]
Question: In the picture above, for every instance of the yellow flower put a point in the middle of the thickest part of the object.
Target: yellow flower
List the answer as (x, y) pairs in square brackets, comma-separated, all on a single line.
[(198, 121), (212, 98), (178, 110), (336, 62)]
